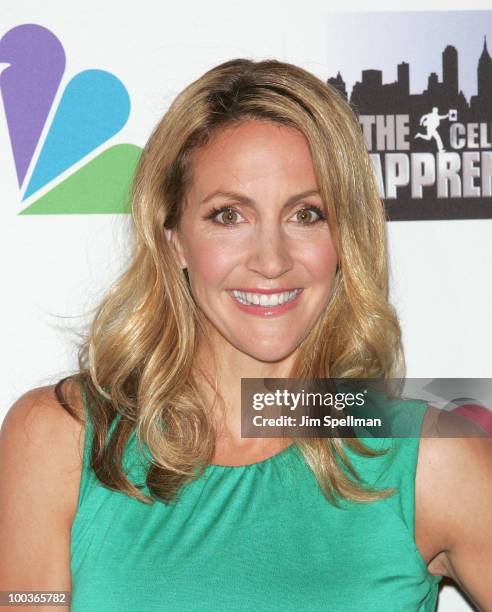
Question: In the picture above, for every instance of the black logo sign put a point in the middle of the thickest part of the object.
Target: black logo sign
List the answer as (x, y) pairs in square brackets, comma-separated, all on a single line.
[(431, 151)]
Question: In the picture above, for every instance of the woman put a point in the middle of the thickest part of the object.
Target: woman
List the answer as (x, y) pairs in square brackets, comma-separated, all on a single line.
[(255, 183)]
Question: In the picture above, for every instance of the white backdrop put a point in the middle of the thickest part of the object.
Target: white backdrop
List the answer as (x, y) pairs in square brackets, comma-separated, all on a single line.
[(56, 267)]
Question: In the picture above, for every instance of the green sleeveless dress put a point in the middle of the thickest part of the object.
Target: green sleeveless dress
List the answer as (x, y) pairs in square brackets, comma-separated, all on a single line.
[(257, 537)]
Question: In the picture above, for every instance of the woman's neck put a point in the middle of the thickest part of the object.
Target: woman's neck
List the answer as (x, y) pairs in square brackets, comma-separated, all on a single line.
[(224, 366)]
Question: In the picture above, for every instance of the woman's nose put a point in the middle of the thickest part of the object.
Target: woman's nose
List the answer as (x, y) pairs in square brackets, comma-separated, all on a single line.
[(270, 253)]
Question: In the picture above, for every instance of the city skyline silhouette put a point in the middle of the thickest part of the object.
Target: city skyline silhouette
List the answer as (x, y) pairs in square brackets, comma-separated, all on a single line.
[(430, 113), (371, 95)]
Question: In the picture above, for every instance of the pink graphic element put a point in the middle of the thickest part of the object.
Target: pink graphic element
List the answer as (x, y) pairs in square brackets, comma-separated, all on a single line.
[(28, 86), (478, 414)]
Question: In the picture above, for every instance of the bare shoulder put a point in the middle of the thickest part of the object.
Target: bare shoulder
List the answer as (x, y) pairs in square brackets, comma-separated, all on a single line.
[(453, 492), (40, 441), (41, 450)]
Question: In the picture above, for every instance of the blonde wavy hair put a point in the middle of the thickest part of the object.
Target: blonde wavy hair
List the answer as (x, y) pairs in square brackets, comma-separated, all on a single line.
[(137, 362)]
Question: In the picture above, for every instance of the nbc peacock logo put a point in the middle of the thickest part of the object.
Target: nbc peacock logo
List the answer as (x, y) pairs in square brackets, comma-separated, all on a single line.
[(62, 130)]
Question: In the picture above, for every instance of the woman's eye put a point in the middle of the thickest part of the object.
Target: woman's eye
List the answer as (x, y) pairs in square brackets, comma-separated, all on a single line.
[(229, 215), (305, 215)]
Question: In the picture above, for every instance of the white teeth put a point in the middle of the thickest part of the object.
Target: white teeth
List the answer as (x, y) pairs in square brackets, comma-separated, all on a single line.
[(262, 299)]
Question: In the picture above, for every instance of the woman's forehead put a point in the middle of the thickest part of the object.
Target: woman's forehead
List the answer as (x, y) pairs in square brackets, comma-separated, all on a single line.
[(253, 153)]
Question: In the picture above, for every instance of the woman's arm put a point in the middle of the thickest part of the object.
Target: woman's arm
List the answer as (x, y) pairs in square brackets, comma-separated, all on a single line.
[(40, 466), (454, 506)]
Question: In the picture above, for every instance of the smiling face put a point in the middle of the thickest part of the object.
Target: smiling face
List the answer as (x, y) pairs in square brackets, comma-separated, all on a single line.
[(269, 237)]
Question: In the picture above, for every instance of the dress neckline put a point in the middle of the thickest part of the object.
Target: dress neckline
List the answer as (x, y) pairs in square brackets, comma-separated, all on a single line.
[(262, 462)]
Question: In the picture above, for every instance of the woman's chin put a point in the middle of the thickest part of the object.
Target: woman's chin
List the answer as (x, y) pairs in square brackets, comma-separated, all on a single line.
[(269, 354)]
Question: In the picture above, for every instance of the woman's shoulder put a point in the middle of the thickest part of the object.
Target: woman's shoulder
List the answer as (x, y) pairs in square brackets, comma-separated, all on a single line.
[(42, 441), (40, 467), (48, 411), (452, 484)]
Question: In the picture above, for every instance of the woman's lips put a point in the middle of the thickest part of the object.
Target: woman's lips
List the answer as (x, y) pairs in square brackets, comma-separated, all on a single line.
[(266, 311)]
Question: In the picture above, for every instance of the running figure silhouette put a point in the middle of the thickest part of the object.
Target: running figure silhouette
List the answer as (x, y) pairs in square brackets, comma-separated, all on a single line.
[(431, 122)]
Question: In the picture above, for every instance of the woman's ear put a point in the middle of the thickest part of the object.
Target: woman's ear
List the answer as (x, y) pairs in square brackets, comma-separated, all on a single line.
[(175, 243)]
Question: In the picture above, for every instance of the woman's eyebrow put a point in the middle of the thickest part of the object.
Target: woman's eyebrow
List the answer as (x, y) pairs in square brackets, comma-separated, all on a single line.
[(250, 202)]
